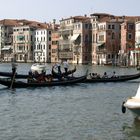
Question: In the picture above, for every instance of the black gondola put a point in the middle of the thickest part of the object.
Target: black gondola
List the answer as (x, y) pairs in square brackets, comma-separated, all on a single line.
[(9, 74), (21, 84), (118, 78), (25, 76), (63, 74)]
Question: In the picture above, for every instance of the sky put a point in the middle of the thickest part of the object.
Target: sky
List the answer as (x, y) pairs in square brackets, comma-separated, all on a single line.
[(47, 10)]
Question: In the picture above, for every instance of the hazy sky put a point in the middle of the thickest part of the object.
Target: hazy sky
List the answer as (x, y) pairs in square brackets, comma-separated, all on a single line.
[(47, 10)]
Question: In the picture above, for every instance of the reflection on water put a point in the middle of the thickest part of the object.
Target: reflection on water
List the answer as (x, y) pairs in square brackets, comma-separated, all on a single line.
[(132, 131), (77, 112)]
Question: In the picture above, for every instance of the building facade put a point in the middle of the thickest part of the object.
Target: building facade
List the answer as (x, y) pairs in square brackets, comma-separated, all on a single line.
[(6, 41), (137, 44), (54, 46), (42, 48), (23, 43), (127, 43), (105, 38), (75, 39)]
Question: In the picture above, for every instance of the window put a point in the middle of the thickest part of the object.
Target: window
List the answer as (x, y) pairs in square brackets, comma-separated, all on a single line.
[(129, 35), (108, 56), (49, 47), (109, 26), (101, 37), (113, 26), (31, 38), (86, 26), (130, 26), (20, 38), (86, 38), (49, 32), (20, 48), (113, 36)]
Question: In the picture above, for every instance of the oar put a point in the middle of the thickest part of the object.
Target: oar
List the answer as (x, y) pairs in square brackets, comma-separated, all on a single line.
[(13, 80)]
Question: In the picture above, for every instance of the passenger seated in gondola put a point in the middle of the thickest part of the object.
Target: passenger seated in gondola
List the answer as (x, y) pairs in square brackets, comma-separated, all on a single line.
[(114, 75), (38, 77), (98, 75), (105, 75), (41, 78), (49, 76), (94, 75)]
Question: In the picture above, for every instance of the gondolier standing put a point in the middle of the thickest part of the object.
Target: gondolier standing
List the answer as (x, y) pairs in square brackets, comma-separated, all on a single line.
[(58, 67), (14, 68), (66, 66)]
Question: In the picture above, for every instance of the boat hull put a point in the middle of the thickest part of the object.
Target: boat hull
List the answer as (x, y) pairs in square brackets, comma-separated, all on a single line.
[(133, 104), (115, 79), (135, 111), (9, 74), (21, 84)]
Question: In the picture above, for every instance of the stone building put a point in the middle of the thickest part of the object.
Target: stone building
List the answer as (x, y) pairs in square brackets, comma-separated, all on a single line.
[(105, 38), (137, 43), (42, 48), (23, 43), (75, 39)]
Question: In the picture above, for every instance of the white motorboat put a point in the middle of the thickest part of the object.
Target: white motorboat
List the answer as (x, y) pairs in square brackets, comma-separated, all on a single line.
[(133, 103), (38, 67)]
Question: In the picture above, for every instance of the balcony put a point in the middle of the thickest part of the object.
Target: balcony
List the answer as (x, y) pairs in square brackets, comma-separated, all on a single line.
[(64, 42), (65, 55)]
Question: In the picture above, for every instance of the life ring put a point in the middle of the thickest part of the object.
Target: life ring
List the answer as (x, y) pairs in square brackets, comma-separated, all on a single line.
[(123, 108)]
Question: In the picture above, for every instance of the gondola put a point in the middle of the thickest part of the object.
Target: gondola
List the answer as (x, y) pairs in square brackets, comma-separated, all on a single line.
[(22, 84), (9, 74), (25, 76), (118, 78), (63, 74), (133, 104), (35, 67)]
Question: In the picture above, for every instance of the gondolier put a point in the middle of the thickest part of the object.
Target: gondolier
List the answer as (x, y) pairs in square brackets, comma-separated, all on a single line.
[(14, 68), (66, 66)]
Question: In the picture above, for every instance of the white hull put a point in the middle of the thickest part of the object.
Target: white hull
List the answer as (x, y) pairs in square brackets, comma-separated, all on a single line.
[(38, 67), (133, 103)]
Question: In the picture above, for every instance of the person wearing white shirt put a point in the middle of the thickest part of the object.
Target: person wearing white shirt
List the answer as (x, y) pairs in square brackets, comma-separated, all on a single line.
[(66, 66)]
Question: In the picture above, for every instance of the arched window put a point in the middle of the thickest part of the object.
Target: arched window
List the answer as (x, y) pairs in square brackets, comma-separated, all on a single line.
[(113, 36)]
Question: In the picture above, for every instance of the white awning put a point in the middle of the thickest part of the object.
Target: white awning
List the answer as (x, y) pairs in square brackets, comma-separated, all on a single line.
[(100, 44), (74, 37), (6, 48)]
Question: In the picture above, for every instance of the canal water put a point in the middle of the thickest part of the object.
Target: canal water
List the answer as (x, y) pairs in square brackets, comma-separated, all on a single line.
[(76, 112)]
